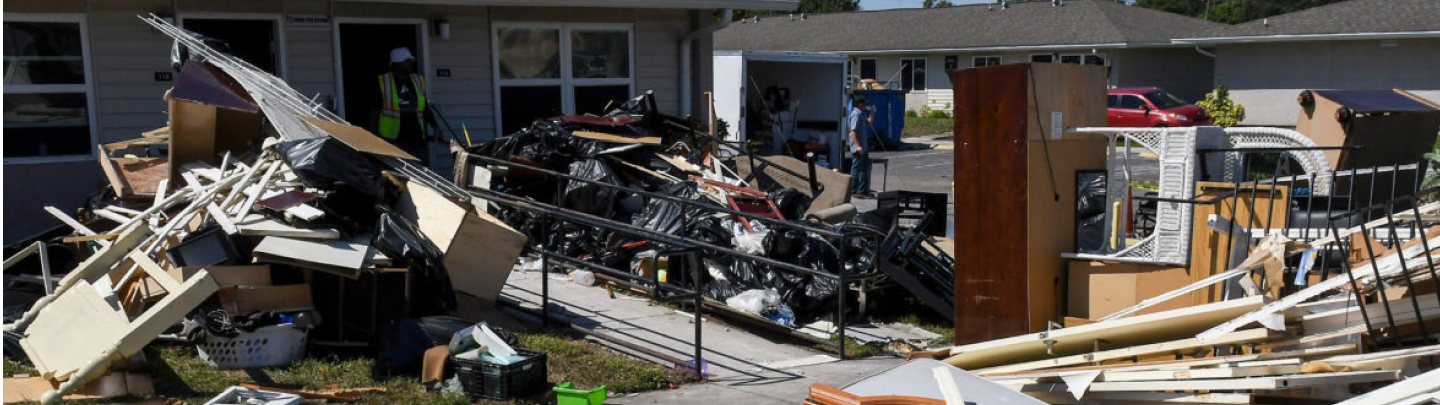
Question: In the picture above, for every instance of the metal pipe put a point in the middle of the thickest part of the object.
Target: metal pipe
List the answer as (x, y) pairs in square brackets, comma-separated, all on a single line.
[(685, 63)]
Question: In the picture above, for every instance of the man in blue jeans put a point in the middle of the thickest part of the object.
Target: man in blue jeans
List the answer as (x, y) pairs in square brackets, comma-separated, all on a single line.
[(861, 117)]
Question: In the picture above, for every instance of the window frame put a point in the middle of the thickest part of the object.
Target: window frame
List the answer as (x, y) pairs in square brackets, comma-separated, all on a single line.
[(926, 79), (1082, 56), (861, 68), (998, 60), (565, 81), (1053, 58), (92, 106)]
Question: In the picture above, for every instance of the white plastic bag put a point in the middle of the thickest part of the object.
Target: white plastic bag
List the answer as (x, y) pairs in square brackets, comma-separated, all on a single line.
[(758, 302)]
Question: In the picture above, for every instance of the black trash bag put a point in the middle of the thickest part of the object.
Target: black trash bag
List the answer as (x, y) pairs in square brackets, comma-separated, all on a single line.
[(590, 198), (710, 230), (787, 245), (398, 239), (1090, 212), (791, 202), (402, 344), (19, 298), (13, 351), (326, 162), (670, 217)]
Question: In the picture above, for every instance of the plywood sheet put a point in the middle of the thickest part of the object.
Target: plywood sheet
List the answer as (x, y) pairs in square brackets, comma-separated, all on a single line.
[(1049, 220), (1142, 329), (480, 250), (241, 300), (359, 138), (612, 138), (1207, 247)]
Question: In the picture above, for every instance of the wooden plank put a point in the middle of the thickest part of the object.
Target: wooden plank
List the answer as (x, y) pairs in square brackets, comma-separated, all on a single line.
[(1245, 336), (1230, 384), (242, 300), (358, 138), (612, 138), (1142, 329), (221, 218), (1223, 398), (480, 250), (1412, 386), (259, 225), (1219, 361), (1202, 373), (990, 161), (1207, 255), (154, 270)]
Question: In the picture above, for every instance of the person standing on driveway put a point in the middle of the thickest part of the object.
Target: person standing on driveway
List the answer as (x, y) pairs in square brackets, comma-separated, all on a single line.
[(860, 120)]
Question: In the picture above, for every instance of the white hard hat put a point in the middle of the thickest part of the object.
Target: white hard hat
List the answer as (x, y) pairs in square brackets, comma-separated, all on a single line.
[(400, 54)]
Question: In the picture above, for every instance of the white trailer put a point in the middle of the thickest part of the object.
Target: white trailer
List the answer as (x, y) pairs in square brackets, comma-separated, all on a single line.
[(816, 112)]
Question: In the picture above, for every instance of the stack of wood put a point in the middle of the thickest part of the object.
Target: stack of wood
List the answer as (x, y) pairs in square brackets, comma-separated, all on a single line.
[(1315, 345)]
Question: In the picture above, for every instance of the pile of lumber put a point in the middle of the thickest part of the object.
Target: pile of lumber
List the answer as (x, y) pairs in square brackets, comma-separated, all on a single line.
[(1350, 338)]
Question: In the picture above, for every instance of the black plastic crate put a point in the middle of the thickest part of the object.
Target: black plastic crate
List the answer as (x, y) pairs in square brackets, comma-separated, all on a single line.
[(503, 381)]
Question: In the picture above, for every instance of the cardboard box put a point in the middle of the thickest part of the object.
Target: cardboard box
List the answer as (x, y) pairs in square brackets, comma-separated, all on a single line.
[(240, 300), (1102, 288)]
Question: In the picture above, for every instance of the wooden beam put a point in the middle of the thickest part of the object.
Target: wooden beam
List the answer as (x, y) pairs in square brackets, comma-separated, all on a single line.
[(1143, 329), (1230, 384), (1244, 336)]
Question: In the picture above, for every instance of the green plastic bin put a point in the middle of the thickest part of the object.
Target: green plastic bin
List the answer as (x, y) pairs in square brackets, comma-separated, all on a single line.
[(565, 394)]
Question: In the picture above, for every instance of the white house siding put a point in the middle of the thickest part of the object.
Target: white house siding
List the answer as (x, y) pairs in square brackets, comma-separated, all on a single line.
[(1182, 71), (126, 53), (1266, 77)]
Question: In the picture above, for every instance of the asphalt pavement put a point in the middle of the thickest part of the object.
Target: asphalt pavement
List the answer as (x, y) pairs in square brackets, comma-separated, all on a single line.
[(924, 170)]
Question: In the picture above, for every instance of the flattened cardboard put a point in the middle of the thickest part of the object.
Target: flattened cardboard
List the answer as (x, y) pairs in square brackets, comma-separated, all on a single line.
[(1098, 289), (133, 174), (480, 250), (241, 300), (252, 275), (358, 138), (433, 368)]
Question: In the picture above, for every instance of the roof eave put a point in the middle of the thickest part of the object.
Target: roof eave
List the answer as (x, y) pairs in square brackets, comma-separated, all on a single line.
[(1307, 37), (1111, 45), (759, 5)]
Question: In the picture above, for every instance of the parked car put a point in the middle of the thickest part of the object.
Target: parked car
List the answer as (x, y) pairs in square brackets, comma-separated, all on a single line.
[(1152, 107)]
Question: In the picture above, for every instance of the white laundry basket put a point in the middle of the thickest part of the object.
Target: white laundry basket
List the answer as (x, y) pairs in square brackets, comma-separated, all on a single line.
[(274, 345)]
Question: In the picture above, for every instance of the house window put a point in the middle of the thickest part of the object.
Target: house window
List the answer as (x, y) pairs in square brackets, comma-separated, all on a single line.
[(867, 69), (547, 70), (983, 61), (952, 62), (1086, 59), (912, 74), (48, 91), (1042, 58)]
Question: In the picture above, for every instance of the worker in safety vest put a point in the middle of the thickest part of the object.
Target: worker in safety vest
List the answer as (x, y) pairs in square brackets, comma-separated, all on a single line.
[(402, 114)]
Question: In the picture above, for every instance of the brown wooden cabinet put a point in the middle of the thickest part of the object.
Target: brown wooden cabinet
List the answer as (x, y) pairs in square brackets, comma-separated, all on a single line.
[(1015, 167)]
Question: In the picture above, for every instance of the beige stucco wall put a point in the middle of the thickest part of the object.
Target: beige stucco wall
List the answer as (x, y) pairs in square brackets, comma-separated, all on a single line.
[(1266, 77)]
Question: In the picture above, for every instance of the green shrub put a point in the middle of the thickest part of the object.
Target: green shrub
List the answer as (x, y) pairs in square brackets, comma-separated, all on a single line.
[(911, 113), (1223, 111), (938, 114)]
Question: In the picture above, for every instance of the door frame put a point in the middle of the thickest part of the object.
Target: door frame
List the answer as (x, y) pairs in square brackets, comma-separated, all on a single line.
[(282, 65), (424, 53)]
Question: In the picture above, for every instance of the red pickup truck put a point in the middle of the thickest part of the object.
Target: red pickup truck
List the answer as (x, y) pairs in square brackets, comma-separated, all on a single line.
[(1152, 107)]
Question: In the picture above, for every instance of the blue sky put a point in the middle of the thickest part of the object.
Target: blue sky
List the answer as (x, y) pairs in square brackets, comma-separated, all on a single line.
[(888, 4)]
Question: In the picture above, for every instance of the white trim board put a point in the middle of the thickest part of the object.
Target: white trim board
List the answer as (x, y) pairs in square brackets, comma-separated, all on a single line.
[(1245, 336), (1229, 384)]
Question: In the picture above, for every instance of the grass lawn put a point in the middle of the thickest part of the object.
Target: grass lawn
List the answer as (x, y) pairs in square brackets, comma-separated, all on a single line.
[(921, 126), (179, 372)]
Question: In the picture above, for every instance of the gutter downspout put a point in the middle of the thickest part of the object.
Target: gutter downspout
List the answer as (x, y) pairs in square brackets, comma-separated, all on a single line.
[(1204, 52), (686, 82)]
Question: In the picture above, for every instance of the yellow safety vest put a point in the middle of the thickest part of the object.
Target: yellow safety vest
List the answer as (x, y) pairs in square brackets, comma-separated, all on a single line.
[(390, 110)]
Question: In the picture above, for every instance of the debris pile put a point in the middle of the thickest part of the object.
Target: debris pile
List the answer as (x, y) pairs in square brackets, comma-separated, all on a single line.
[(777, 235), (240, 227)]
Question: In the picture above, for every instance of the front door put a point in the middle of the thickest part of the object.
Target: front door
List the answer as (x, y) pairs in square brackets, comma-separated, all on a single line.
[(364, 56)]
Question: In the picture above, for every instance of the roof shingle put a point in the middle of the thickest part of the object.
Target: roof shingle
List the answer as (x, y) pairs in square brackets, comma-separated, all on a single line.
[(1076, 22), (1347, 17)]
